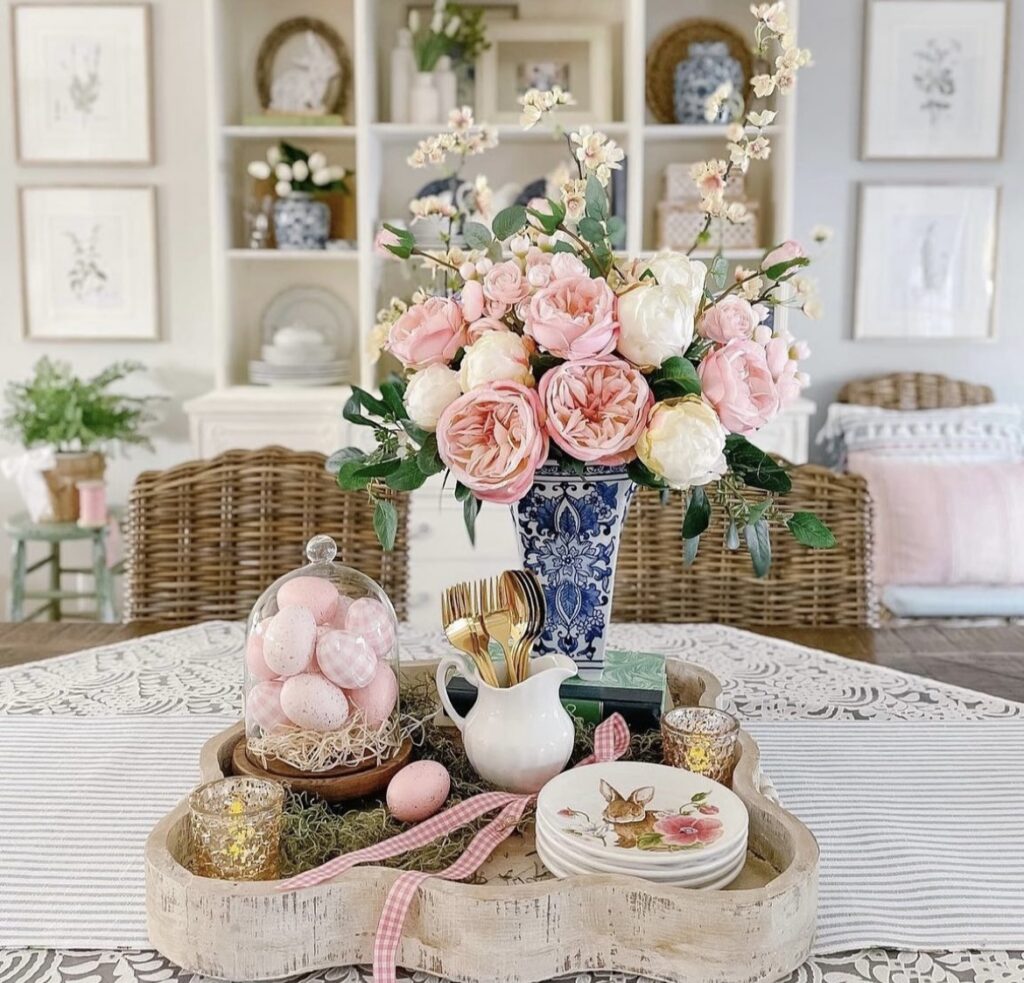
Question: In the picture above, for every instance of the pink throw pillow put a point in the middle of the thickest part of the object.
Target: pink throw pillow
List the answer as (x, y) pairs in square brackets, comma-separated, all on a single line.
[(945, 523)]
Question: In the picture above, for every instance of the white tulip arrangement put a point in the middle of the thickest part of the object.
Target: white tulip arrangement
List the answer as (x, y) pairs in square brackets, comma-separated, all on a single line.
[(295, 170)]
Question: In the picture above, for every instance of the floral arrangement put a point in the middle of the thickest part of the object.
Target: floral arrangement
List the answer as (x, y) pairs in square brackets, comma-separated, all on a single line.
[(295, 170), (537, 341), (438, 37)]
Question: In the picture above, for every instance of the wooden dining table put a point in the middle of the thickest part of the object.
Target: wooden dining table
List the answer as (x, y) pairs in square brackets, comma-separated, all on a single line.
[(985, 658)]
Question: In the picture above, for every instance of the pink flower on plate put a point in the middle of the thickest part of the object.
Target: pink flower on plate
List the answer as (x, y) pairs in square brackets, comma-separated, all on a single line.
[(427, 333), (732, 317), (574, 317), (472, 300), (596, 408), (688, 830), (708, 810), (504, 287), (737, 382), (493, 440)]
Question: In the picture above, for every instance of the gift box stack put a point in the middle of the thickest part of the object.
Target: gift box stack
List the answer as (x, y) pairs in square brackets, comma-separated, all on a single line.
[(680, 218)]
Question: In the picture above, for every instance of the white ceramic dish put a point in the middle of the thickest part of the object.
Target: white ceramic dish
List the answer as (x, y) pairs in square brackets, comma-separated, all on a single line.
[(312, 307)]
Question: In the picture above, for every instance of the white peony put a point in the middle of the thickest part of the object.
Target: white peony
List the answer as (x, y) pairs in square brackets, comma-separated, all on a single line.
[(678, 270), (429, 393), (496, 356), (655, 323), (684, 442)]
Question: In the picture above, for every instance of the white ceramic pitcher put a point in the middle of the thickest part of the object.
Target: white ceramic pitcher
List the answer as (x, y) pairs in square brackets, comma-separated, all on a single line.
[(519, 737)]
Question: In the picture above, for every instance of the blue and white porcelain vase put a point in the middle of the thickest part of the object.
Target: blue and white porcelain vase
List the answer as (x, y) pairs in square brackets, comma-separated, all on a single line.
[(301, 222), (707, 66), (569, 528)]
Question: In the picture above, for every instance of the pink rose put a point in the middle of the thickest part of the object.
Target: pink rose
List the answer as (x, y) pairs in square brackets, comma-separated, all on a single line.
[(737, 382), (472, 300), (383, 239), (504, 287), (732, 317), (574, 317), (427, 333), (493, 440), (567, 264), (484, 325), (596, 408), (784, 253)]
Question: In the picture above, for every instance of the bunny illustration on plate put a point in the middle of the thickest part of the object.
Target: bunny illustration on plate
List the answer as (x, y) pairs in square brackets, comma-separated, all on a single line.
[(628, 816)]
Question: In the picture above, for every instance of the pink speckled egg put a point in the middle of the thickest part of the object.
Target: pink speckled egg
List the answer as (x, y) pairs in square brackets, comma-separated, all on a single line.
[(289, 640), (340, 612), (263, 705), (315, 593), (418, 791), (378, 698), (346, 659), (313, 702), (369, 618), (254, 660)]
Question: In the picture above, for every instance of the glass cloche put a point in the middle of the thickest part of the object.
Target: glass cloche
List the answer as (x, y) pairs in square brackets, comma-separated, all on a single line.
[(321, 661)]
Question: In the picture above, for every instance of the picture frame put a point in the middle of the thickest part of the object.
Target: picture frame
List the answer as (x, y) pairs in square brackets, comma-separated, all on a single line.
[(89, 263), (926, 262), (934, 79), (82, 83), (524, 53)]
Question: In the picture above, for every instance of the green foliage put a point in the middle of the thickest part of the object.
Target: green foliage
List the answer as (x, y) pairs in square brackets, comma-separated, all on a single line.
[(698, 514), (643, 475), (509, 221), (754, 467), (290, 153), (759, 544), (385, 523), (676, 377), (809, 530), (778, 271), (58, 408), (471, 37), (406, 241), (477, 235)]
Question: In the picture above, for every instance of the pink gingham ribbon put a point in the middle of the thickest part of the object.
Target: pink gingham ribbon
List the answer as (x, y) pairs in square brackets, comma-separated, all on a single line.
[(611, 739)]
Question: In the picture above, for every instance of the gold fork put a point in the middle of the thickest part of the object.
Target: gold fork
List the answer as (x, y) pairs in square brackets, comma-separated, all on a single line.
[(531, 614), (463, 626), (499, 621)]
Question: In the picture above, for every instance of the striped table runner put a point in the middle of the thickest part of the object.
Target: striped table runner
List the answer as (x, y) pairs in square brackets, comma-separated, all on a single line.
[(79, 797), (920, 825)]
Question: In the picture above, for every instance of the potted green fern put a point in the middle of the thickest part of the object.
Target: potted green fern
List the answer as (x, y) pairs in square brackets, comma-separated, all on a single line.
[(79, 419)]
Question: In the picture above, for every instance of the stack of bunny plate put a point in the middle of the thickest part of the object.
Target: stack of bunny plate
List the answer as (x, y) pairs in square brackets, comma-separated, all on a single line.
[(643, 820)]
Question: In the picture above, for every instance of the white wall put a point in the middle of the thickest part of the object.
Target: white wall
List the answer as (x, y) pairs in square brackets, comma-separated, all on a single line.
[(181, 361), (828, 172)]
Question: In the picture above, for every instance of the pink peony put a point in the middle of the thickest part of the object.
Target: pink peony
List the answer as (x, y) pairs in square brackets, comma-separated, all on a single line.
[(427, 333), (738, 383), (732, 317), (688, 830), (567, 264), (504, 287), (784, 253), (472, 300), (596, 408), (484, 325), (574, 317), (493, 440)]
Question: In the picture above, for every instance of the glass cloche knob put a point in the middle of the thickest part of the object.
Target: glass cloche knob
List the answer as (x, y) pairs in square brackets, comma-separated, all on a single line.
[(321, 549)]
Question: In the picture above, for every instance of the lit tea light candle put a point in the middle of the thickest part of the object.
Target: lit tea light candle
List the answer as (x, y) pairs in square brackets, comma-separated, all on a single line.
[(701, 740)]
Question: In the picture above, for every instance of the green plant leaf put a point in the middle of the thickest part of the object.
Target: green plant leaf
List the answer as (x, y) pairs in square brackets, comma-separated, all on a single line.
[(549, 220), (698, 513), (616, 231), (370, 402), (777, 270), (417, 433), (508, 222), (406, 241), (349, 479), (564, 247), (754, 467), (385, 523), (643, 475), (809, 530), (461, 492), (597, 199), (755, 512), (477, 235), (591, 229), (352, 413), (393, 392), (428, 459), (333, 464), (470, 510), (378, 469), (759, 543), (690, 547), (719, 271), (681, 378), (407, 476)]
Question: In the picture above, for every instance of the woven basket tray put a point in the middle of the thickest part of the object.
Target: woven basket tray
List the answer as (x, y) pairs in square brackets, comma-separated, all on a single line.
[(519, 926)]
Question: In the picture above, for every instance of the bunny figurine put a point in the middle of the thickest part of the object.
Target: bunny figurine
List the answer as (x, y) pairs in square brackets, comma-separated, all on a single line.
[(627, 816)]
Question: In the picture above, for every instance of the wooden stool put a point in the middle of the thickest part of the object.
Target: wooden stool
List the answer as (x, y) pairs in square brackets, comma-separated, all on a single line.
[(22, 531)]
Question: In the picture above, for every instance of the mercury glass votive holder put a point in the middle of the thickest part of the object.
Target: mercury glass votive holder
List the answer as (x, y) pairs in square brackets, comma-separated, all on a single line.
[(701, 740), (235, 829)]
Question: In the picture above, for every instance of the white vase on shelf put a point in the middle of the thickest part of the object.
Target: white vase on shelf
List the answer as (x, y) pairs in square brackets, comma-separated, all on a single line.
[(424, 104), (447, 86), (403, 70)]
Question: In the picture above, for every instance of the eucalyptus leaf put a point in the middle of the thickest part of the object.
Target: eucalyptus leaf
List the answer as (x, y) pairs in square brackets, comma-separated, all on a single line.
[(690, 547), (349, 479), (759, 543), (597, 199), (591, 229), (477, 235), (378, 469), (428, 460), (385, 523), (509, 221), (333, 464), (809, 530), (754, 467), (698, 513), (719, 271), (407, 476), (564, 247)]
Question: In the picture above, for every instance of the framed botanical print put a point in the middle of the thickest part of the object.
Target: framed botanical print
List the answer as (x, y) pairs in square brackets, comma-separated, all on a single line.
[(89, 263), (934, 78), (926, 262), (82, 83)]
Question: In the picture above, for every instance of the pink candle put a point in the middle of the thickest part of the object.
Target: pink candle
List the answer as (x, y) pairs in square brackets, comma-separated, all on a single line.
[(92, 503)]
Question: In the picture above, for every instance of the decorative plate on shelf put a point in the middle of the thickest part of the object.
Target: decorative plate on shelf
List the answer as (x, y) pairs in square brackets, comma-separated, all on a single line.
[(312, 307), (687, 62)]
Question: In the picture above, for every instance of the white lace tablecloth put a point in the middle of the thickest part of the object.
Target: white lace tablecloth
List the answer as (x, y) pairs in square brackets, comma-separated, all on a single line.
[(196, 671)]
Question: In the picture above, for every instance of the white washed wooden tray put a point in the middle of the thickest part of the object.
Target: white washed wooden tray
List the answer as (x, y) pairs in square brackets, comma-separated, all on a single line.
[(519, 925)]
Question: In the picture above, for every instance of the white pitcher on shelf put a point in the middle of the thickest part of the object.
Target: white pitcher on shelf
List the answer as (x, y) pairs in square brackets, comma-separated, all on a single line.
[(424, 101)]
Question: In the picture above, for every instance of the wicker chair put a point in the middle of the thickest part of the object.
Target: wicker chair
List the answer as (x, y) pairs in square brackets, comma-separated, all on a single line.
[(914, 391), (205, 538), (805, 587)]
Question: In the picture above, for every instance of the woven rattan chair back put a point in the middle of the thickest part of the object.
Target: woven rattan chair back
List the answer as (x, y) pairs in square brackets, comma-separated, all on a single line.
[(805, 587), (914, 391), (205, 538)]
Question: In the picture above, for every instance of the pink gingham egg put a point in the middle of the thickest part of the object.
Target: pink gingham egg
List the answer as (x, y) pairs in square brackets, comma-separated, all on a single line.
[(340, 612), (378, 698), (316, 594), (313, 702), (254, 660), (369, 618), (345, 659), (418, 791), (288, 641), (263, 705)]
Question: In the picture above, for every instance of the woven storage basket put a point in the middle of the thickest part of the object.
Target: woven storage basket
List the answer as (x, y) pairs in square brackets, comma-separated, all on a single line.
[(914, 391), (679, 185), (805, 587), (205, 538), (679, 223)]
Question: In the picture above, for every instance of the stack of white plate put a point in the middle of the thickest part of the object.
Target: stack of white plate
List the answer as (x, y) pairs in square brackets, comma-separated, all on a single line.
[(326, 374), (643, 820), (298, 356)]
